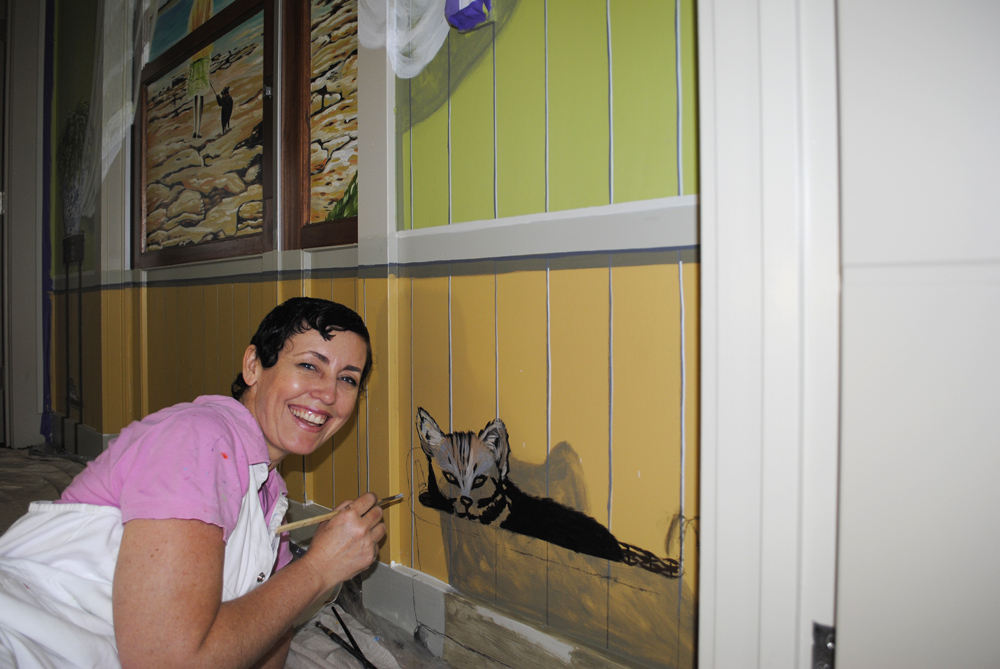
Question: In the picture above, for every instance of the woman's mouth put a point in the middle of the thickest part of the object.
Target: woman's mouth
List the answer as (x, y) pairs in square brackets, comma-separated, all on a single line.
[(317, 419)]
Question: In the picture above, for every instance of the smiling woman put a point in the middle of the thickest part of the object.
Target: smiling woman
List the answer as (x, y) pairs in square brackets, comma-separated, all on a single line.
[(173, 559)]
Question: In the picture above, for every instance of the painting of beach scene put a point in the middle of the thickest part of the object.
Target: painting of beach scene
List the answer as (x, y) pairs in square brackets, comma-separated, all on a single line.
[(173, 21), (333, 110), (204, 142)]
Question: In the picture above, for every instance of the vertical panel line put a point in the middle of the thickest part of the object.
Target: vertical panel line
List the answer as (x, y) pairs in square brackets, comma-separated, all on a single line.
[(682, 519), (496, 340), (611, 431), (413, 510), (611, 112), (548, 400), (451, 379), (368, 405), (496, 169), (448, 42), (680, 97), (409, 120), (546, 31)]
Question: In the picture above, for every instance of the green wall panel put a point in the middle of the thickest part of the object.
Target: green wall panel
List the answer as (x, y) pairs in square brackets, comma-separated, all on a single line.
[(644, 89), (429, 140), (472, 166), (520, 74), (578, 104)]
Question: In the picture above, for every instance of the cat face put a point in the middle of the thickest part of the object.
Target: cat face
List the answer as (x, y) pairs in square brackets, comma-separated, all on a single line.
[(468, 468)]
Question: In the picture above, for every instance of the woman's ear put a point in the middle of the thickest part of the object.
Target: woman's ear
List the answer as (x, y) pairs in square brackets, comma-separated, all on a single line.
[(251, 365)]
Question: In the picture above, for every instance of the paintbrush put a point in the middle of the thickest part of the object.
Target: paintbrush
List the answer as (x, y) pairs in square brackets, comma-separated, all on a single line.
[(315, 520)]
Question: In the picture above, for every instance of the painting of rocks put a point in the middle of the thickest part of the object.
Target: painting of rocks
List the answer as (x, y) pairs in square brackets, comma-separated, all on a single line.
[(204, 144), (334, 110)]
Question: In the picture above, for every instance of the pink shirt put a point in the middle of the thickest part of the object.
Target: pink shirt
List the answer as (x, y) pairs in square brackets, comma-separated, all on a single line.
[(190, 461)]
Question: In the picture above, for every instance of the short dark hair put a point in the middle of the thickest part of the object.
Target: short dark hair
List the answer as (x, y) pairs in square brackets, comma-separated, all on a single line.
[(295, 316)]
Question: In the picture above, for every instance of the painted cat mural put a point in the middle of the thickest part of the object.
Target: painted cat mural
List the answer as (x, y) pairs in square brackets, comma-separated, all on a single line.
[(475, 486)]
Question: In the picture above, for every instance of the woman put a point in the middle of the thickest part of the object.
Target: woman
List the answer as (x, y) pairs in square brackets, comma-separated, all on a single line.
[(162, 552)]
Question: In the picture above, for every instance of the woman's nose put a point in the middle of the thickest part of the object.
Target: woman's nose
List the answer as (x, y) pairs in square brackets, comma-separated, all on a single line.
[(326, 391)]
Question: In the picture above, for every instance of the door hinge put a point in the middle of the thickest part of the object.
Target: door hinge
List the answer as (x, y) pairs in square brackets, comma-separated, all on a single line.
[(823, 646)]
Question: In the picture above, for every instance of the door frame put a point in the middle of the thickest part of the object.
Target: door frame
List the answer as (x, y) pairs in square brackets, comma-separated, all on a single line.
[(770, 249)]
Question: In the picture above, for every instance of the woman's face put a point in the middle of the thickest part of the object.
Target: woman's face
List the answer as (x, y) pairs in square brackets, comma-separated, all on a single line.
[(308, 394)]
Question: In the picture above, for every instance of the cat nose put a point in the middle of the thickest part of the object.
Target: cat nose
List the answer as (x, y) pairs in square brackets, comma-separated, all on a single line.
[(467, 501)]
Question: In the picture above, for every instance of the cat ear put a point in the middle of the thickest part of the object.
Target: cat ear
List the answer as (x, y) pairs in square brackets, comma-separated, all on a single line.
[(430, 434), (494, 435)]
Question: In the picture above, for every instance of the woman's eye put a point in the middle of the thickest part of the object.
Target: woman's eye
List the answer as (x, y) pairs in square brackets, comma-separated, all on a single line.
[(450, 478), (349, 380), (478, 481), (307, 365)]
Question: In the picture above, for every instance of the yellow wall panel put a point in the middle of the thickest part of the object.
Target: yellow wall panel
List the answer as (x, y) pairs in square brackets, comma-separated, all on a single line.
[(472, 136), (473, 351), (692, 330), (377, 303), (579, 344), (647, 407), (319, 475), (522, 324), (430, 391), (520, 117), (227, 332), (115, 348), (195, 304), (644, 73), (578, 104), (402, 513), (286, 289), (242, 331), (210, 342), (93, 399), (344, 291), (364, 484)]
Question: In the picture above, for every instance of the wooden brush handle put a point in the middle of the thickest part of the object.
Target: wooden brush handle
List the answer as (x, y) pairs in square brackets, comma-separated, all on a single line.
[(316, 520)]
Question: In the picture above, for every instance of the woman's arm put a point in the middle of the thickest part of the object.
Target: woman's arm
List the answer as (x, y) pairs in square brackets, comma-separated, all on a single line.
[(167, 589)]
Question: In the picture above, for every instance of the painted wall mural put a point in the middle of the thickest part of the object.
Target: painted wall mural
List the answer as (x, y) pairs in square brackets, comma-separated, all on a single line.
[(333, 110), (473, 469), (204, 143)]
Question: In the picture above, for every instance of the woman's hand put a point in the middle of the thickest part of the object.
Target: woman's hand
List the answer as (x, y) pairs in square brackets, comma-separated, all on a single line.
[(347, 544)]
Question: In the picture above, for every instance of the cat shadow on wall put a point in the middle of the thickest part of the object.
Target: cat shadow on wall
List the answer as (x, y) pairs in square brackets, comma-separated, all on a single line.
[(475, 485)]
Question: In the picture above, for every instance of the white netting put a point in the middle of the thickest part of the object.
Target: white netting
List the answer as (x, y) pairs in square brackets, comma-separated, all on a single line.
[(412, 31)]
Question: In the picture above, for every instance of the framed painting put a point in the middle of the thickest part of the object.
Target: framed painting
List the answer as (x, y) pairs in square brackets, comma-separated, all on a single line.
[(203, 139), (322, 98)]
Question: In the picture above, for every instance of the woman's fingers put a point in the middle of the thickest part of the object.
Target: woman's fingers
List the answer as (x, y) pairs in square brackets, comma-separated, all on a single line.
[(348, 543)]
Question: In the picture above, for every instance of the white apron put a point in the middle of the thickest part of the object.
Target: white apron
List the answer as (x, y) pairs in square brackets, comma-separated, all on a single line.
[(57, 564)]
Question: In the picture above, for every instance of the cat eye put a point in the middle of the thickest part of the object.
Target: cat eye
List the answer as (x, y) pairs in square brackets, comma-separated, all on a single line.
[(450, 478), (478, 481)]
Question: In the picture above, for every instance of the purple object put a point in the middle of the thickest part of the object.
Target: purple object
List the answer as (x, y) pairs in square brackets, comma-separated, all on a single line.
[(466, 15)]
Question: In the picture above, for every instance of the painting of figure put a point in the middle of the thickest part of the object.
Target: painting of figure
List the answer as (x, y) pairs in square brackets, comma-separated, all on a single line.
[(204, 180)]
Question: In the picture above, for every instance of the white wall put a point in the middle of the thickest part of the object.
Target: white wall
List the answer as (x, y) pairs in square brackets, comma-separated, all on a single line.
[(919, 528)]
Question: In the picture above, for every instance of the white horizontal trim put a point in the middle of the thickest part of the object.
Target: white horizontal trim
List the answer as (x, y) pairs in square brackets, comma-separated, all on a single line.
[(649, 224)]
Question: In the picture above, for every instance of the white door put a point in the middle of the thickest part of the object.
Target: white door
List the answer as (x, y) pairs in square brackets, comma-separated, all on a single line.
[(918, 573)]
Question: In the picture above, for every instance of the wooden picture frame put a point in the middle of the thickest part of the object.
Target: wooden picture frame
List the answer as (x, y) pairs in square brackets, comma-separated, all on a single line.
[(184, 211)]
